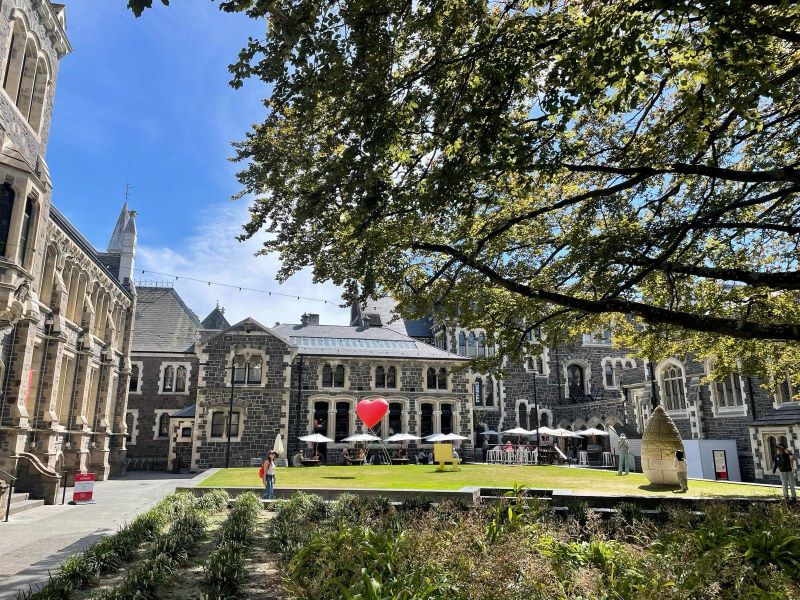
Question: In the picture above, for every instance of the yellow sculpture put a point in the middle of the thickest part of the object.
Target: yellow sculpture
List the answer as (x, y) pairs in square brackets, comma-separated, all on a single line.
[(443, 454)]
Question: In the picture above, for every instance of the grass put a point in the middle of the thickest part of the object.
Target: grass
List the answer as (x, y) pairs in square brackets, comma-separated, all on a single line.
[(425, 477)]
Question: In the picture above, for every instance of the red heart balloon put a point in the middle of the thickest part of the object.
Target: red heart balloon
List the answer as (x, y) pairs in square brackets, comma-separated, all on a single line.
[(372, 411)]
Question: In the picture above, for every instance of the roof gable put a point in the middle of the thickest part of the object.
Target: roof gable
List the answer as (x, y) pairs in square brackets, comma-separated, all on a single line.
[(163, 322)]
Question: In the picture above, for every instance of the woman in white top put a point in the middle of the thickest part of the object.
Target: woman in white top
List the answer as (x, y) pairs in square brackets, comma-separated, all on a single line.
[(682, 469), (269, 476)]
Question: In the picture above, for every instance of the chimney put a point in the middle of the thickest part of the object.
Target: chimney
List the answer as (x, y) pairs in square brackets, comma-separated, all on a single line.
[(365, 320), (313, 319), (304, 320)]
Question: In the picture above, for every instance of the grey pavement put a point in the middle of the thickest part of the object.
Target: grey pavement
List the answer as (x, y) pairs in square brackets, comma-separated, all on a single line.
[(34, 543)]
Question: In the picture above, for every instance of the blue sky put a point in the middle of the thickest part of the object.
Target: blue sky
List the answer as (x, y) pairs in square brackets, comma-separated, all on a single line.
[(146, 101)]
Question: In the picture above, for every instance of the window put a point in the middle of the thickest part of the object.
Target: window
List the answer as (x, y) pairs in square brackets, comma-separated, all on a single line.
[(532, 365), (462, 344), (133, 385), (320, 423), (787, 391), (430, 380), (163, 425), (522, 416), (338, 376), (436, 380), (489, 391), (482, 346), (771, 442), (477, 391), (472, 346), (395, 418), (254, 372), (218, 424), (441, 379), (728, 392), (130, 424), (447, 418), (327, 376), (186, 432), (391, 377), (380, 377), (235, 424), (342, 428), (608, 372), (6, 209), (239, 370), (426, 420), (180, 379), (25, 232), (672, 388), (168, 383), (576, 380)]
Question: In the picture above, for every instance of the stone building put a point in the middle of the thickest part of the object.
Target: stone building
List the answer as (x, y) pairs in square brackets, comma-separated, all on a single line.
[(65, 308)]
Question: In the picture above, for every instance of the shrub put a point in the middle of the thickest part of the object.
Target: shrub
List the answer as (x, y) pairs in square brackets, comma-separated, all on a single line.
[(213, 501)]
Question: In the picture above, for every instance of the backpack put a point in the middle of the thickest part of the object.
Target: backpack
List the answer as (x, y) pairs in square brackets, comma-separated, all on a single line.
[(261, 472)]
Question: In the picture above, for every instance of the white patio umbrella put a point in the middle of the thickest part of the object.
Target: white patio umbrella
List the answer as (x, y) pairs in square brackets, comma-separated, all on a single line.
[(566, 433), (436, 437), (489, 432), (362, 437), (452, 437), (517, 431), (316, 438), (592, 431), (544, 431), (277, 447), (402, 437)]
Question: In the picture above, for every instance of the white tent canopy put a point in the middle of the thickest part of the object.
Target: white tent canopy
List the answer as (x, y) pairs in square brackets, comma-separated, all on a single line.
[(362, 437), (401, 437), (592, 431), (316, 438)]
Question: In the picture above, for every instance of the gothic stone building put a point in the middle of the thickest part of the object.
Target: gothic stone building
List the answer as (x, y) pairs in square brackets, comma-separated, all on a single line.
[(65, 308)]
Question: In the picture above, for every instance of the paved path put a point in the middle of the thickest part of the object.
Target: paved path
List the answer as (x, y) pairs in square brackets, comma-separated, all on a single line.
[(35, 542)]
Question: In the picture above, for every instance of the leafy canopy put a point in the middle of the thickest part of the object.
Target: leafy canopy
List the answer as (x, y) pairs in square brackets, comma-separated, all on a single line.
[(522, 164)]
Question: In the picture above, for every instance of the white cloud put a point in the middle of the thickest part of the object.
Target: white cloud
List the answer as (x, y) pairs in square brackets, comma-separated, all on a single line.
[(211, 253)]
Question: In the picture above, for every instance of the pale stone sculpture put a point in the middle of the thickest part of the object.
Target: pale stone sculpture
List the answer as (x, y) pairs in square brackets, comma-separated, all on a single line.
[(660, 441)]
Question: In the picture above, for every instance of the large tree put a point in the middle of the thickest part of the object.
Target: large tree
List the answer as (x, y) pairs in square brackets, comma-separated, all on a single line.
[(519, 164)]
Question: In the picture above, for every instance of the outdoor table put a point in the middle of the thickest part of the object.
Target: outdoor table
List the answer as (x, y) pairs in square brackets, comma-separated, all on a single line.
[(400, 461), (357, 461), (310, 462)]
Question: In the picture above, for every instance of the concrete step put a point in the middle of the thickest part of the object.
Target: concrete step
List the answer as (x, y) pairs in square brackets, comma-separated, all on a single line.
[(19, 497), (22, 506)]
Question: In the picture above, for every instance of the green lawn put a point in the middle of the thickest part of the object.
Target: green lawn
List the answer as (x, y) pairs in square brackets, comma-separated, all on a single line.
[(426, 477)]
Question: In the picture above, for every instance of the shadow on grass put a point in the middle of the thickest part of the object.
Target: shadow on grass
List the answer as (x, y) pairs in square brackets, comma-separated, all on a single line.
[(656, 487), (338, 477)]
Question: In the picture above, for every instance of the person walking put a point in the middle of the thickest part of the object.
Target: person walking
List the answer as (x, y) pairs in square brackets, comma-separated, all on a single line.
[(623, 450), (269, 476), (784, 463), (682, 469)]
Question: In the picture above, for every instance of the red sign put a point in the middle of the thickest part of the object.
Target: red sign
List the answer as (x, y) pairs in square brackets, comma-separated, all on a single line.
[(84, 488)]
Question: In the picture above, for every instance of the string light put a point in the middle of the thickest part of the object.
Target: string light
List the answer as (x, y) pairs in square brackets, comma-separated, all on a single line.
[(234, 287)]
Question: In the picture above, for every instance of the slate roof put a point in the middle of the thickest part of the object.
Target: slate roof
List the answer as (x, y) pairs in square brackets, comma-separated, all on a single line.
[(385, 309), (163, 322), (785, 414), (185, 413), (345, 340), (215, 320)]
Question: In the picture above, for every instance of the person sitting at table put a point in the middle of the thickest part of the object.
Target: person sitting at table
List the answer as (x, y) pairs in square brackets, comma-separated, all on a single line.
[(346, 456), (361, 456), (422, 457), (315, 454), (297, 459), (402, 454), (396, 454), (509, 447)]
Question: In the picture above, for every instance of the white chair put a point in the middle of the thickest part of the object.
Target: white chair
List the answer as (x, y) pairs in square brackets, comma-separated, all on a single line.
[(583, 458), (608, 460), (494, 455)]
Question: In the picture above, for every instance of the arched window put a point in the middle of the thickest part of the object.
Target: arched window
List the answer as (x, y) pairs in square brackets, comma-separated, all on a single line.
[(25, 233), (772, 447), (544, 420), (395, 418), (130, 423), (787, 391), (672, 388), (39, 98), (471, 345), (338, 376), (6, 209), (477, 391), (29, 66), (168, 384), (441, 379), (576, 380), (728, 392), (239, 369), (482, 345), (15, 59), (254, 371), (327, 376), (133, 386), (180, 379), (532, 418), (342, 427), (490, 391), (426, 420), (522, 415), (447, 418), (391, 377), (320, 423), (462, 344), (608, 373), (163, 425), (430, 378), (380, 377)]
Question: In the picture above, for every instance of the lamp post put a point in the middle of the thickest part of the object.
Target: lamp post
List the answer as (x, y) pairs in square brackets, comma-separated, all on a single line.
[(536, 408)]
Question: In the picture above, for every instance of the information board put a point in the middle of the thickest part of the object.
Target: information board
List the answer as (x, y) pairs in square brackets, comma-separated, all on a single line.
[(720, 465), (84, 489)]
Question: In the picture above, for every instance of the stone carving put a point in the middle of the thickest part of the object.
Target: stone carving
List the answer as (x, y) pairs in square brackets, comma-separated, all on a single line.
[(660, 441)]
